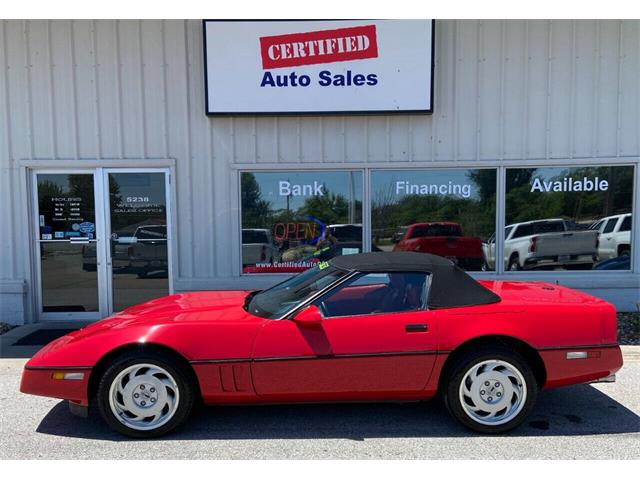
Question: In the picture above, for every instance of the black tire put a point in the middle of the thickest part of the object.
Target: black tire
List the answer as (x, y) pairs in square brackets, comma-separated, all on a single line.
[(625, 251), (513, 261), (143, 273), (452, 384), (183, 380)]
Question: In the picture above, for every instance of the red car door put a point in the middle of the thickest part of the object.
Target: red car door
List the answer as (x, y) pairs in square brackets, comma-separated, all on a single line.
[(347, 357)]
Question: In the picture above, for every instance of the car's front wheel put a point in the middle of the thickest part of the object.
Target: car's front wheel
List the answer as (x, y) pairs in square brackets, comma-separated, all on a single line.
[(145, 395), (491, 391)]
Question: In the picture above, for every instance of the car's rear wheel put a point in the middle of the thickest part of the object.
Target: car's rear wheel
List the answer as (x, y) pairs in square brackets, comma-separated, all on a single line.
[(491, 391), (514, 263), (145, 395)]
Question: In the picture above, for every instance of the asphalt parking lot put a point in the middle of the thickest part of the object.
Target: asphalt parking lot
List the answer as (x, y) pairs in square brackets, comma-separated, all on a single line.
[(582, 422)]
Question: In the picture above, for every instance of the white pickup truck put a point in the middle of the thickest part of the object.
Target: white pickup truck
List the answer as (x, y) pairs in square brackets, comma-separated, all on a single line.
[(548, 243), (258, 247), (615, 236), (146, 251), (143, 251)]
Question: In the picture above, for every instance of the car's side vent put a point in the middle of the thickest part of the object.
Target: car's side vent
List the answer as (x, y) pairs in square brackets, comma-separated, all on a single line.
[(235, 378)]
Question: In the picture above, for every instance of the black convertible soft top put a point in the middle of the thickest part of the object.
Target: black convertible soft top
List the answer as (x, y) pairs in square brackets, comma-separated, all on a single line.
[(450, 286)]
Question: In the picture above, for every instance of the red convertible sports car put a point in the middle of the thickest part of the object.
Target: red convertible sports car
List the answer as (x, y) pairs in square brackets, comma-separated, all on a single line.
[(394, 326)]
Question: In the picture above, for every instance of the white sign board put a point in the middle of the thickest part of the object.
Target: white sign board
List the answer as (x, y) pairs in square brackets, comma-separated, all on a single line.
[(341, 66)]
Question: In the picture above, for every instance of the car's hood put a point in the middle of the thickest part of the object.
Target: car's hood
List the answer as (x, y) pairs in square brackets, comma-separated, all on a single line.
[(196, 306), (198, 314), (211, 301)]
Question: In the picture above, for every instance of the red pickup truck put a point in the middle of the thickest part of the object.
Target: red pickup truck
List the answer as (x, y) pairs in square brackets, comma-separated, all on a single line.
[(444, 239)]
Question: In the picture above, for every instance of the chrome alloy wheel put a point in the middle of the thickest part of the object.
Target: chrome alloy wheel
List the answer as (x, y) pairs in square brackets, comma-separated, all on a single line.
[(493, 392), (144, 396)]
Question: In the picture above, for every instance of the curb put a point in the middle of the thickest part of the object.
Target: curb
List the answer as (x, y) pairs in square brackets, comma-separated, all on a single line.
[(630, 353)]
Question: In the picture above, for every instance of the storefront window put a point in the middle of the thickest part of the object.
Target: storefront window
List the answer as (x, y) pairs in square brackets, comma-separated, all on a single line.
[(568, 218), (451, 213), (293, 220)]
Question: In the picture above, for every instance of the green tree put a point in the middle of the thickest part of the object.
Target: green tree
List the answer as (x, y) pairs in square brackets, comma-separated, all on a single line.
[(485, 181), (256, 212), (329, 208)]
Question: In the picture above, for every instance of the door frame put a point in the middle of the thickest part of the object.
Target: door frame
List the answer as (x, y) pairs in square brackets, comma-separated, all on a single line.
[(35, 241), (102, 221)]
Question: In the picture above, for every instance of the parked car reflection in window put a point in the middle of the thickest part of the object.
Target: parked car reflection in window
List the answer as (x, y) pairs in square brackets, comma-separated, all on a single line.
[(293, 220), (441, 212), (567, 218)]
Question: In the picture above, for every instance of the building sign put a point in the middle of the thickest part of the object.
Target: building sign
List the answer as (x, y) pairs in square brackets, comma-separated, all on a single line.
[(405, 187), (570, 185), (324, 46), (273, 67)]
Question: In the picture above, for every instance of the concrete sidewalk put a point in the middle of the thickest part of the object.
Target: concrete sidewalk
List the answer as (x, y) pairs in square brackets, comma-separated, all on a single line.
[(630, 353), (9, 350)]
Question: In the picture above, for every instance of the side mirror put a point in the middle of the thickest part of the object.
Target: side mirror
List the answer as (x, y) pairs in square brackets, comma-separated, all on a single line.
[(309, 316)]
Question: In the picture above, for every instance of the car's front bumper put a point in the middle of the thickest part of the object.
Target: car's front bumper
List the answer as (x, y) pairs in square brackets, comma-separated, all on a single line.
[(40, 381)]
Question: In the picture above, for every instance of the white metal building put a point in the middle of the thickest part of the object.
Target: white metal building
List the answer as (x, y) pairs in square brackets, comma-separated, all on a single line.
[(105, 115)]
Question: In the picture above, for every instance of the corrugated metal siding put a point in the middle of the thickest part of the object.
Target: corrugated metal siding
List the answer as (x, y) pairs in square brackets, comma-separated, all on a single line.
[(504, 90)]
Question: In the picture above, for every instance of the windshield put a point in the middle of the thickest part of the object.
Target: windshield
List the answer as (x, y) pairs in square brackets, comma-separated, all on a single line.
[(436, 231), (277, 300), (347, 233), (548, 227), (254, 236)]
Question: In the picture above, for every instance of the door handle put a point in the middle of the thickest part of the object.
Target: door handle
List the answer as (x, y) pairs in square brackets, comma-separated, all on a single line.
[(416, 327)]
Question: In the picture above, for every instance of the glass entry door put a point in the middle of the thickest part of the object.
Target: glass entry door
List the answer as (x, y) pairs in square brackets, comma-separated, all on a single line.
[(67, 246), (101, 241), (137, 222)]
